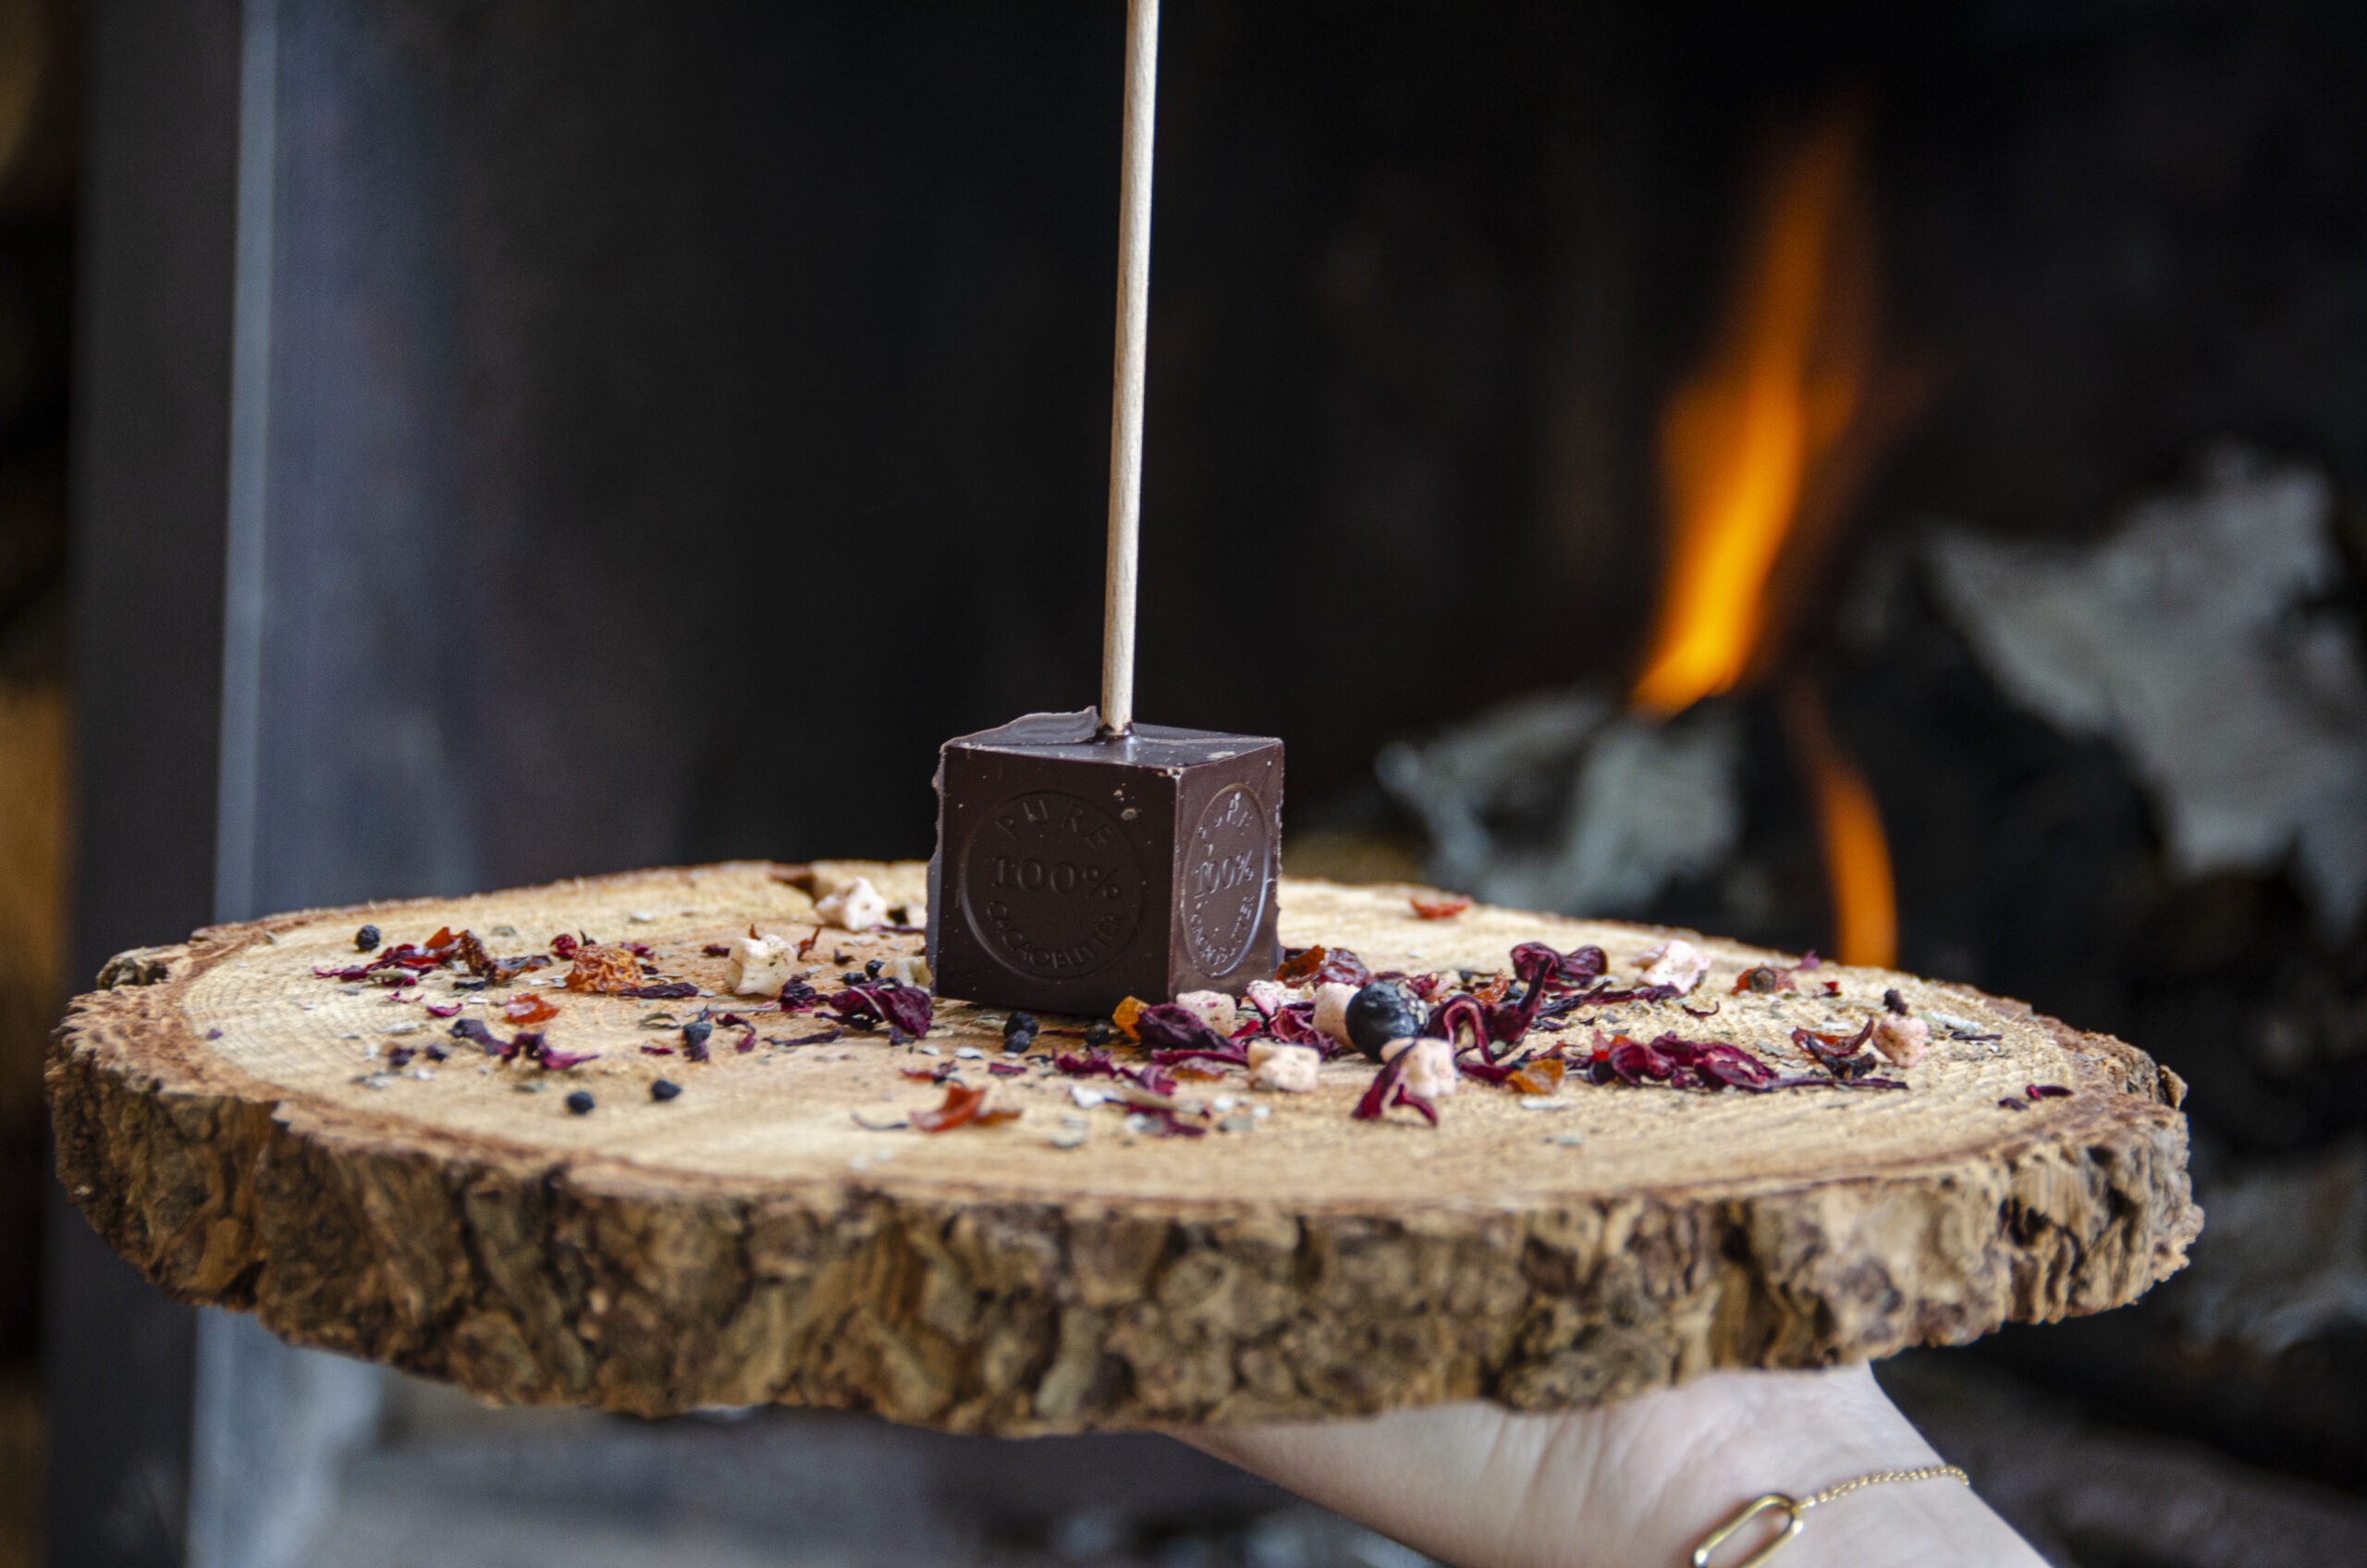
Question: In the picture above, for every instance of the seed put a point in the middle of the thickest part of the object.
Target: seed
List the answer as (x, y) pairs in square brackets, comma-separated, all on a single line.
[(581, 1102), (365, 940), (661, 1091)]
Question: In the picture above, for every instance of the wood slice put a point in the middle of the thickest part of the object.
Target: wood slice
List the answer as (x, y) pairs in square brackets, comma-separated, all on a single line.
[(229, 1122)]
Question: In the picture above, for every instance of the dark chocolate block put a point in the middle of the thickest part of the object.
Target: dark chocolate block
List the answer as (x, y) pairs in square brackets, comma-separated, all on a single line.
[(1073, 872)]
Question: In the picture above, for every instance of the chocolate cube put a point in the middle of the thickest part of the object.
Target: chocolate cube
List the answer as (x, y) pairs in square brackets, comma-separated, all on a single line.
[(1074, 871)]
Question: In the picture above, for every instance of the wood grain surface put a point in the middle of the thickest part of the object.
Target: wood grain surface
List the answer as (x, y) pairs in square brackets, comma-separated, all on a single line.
[(231, 1123)]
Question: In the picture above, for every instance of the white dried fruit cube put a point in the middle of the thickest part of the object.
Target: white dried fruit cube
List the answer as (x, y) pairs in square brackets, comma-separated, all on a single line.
[(858, 906), (1290, 1070), (1214, 1008), (1675, 962), (1331, 1000), (760, 966)]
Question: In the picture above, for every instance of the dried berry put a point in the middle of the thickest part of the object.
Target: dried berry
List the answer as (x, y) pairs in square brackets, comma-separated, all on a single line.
[(661, 1091), (581, 1102), (366, 939), (1378, 1013)]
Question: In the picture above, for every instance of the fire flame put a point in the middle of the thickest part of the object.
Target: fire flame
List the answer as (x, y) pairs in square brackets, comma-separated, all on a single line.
[(1857, 856), (1756, 447), (1759, 451)]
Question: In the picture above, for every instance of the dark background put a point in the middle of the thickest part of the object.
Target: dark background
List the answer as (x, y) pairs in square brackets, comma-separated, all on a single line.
[(682, 419)]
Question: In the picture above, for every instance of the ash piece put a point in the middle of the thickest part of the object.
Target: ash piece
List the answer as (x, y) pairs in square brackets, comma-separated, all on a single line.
[(1074, 871)]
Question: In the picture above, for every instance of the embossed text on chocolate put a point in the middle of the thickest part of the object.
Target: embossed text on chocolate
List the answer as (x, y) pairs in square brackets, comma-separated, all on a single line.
[(1053, 886)]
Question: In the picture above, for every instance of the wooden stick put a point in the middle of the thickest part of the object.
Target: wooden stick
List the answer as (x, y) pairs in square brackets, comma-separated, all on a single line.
[(1126, 389)]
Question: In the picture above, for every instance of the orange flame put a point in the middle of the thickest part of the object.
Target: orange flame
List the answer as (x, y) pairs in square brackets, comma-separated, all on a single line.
[(1759, 451), (1856, 857), (1756, 447)]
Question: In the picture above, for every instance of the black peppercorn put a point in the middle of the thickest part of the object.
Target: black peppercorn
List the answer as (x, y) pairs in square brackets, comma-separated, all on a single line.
[(664, 1090), (851, 978), (1380, 1013), (366, 939), (694, 1035), (899, 915), (1019, 1031), (581, 1102), (871, 970), (1096, 1033)]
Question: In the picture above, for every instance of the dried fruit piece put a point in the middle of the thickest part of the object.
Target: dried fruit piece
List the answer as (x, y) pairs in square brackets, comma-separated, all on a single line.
[(602, 969)]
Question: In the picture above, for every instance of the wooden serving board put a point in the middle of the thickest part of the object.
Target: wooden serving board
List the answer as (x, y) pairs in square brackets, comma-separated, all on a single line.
[(228, 1122)]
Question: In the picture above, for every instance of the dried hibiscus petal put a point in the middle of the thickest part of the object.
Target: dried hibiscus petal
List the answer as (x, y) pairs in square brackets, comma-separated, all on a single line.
[(1315, 966), (665, 991), (2046, 1091)]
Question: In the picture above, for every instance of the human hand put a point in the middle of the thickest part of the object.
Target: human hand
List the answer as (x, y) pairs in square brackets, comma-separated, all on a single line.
[(1636, 1485)]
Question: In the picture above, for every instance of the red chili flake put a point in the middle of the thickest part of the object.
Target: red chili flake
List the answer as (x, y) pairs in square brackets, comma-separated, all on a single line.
[(564, 945), (1315, 966), (528, 1009), (1832, 988), (715, 950), (962, 1104), (2046, 1091), (668, 991), (805, 948), (442, 1010), (1438, 909), (608, 970)]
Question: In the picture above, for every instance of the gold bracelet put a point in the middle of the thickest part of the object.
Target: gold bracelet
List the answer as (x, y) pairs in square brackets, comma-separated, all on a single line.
[(1794, 1508)]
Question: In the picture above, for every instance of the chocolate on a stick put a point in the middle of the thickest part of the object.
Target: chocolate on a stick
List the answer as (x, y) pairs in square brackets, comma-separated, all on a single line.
[(1074, 870), (1082, 858)]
